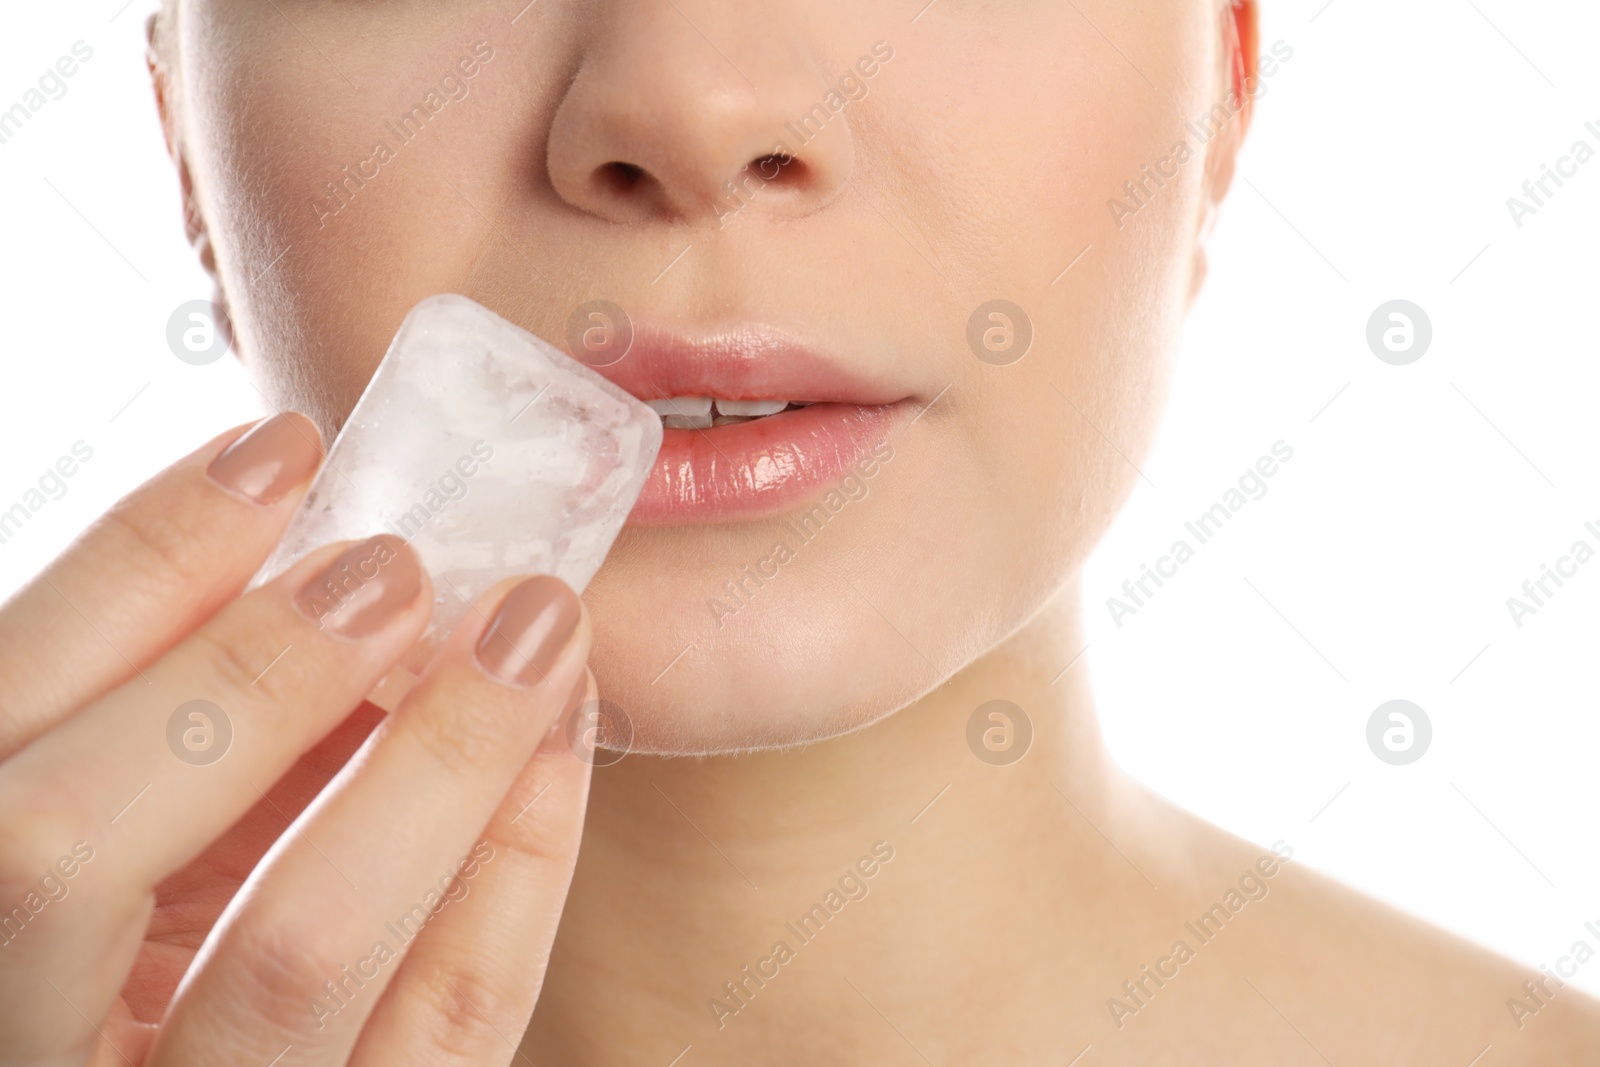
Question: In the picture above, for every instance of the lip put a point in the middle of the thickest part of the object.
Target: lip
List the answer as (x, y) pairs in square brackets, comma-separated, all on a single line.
[(751, 362), (748, 470), (751, 469)]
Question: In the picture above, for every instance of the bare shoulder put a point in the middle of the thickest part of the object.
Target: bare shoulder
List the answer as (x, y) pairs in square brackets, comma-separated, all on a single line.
[(1270, 962), (1384, 987)]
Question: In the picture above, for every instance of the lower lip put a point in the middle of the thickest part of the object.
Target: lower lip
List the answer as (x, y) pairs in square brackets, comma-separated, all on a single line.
[(749, 470)]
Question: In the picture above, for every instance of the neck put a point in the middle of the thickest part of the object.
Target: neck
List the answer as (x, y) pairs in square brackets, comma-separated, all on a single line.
[(904, 852)]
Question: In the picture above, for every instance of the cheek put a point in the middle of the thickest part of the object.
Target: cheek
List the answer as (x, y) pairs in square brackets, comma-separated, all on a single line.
[(335, 209), (1021, 161)]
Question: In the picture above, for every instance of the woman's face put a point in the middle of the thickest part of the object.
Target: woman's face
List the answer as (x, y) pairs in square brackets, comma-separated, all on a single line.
[(854, 179)]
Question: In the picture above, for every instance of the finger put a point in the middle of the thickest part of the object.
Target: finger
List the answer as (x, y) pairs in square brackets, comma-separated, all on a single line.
[(467, 988), (148, 571), (309, 943), (116, 790), (195, 896)]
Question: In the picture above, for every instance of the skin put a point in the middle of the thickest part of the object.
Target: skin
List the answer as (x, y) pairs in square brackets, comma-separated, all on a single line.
[(1018, 898), (123, 857)]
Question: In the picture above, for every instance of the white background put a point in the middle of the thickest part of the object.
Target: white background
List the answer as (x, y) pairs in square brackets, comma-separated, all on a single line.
[(1376, 567)]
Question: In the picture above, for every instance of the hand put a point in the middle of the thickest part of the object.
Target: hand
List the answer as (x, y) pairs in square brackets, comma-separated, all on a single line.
[(156, 905)]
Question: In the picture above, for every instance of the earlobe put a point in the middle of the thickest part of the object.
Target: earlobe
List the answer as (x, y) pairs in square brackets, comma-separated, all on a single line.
[(160, 82), (1237, 89), (1244, 59), (162, 87)]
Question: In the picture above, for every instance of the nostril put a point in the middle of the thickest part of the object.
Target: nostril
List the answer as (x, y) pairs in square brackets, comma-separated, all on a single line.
[(779, 167), (619, 177), (633, 191)]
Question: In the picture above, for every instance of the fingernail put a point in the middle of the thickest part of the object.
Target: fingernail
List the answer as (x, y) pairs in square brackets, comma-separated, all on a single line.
[(365, 589), (270, 459), (534, 623)]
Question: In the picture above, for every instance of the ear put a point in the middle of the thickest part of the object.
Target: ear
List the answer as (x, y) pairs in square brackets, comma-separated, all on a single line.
[(163, 84), (1238, 78)]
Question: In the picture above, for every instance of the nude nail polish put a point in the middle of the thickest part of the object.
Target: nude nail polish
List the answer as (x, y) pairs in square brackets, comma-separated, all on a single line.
[(367, 587), (270, 459), (535, 622)]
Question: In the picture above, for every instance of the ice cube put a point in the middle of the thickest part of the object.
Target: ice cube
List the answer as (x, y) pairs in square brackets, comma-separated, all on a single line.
[(490, 451)]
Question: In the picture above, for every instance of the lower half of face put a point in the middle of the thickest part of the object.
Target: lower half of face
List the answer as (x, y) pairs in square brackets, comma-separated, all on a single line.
[(973, 221)]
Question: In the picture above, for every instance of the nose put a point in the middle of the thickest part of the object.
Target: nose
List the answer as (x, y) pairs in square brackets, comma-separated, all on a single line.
[(659, 122)]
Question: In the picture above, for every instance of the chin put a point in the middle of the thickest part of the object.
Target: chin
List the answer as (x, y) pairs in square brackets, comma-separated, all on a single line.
[(795, 665)]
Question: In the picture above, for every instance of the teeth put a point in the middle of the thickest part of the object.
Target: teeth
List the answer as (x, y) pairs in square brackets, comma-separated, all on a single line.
[(750, 408), (695, 412), (687, 406), (687, 422)]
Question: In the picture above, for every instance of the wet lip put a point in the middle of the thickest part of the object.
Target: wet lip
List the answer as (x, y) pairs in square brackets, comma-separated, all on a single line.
[(759, 468), (741, 363)]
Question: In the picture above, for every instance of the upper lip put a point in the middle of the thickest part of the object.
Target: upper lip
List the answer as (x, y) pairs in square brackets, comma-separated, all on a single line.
[(747, 362)]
